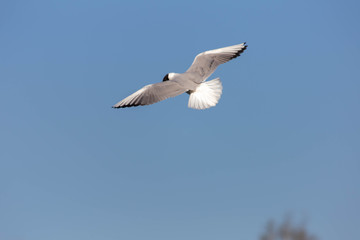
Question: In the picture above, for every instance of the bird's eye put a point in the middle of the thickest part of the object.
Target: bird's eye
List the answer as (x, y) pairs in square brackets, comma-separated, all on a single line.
[(166, 78)]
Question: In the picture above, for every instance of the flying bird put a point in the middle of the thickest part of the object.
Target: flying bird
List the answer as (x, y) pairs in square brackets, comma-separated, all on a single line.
[(203, 94)]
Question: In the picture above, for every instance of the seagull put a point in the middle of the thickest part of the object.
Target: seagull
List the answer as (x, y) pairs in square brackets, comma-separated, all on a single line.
[(203, 94)]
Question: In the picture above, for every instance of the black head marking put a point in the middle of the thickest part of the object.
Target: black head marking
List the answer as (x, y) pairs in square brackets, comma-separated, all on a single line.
[(166, 78)]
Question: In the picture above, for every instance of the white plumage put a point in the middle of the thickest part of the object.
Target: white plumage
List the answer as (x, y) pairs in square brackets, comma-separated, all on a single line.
[(203, 94), (206, 95)]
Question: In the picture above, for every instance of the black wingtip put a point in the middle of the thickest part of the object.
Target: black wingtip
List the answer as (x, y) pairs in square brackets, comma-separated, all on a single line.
[(127, 106), (239, 52)]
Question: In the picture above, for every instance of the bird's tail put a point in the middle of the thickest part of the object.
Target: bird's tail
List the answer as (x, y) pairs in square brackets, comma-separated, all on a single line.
[(206, 95)]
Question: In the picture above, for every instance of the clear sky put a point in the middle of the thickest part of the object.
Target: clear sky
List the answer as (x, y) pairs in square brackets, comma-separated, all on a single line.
[(284, 138)]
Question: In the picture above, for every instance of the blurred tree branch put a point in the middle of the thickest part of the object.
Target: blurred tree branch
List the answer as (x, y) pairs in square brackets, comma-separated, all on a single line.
[(286, 231)]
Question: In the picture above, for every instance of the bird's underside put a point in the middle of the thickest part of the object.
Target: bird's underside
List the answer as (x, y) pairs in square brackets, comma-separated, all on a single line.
[(203, 94)]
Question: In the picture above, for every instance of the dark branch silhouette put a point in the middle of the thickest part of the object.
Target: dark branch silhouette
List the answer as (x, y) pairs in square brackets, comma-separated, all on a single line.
[(286, 231)]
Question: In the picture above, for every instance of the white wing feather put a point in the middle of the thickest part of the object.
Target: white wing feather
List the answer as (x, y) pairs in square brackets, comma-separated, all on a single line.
[(205, 63), (150, 94)]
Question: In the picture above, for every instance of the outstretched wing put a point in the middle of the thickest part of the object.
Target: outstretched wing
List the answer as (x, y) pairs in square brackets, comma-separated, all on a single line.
[(151, 94), (205, 63)]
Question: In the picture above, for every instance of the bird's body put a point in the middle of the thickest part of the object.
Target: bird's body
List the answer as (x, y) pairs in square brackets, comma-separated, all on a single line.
[(203, 94), (189, 81)]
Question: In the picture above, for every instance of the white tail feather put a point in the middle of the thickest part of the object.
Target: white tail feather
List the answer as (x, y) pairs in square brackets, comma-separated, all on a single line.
[(206, 95)]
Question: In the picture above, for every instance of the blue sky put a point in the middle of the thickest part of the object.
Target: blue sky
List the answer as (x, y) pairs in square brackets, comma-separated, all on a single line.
[(284, 137)]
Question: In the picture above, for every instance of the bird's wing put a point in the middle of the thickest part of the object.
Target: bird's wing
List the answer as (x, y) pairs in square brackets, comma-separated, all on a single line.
[(205, 63), (151, 94)]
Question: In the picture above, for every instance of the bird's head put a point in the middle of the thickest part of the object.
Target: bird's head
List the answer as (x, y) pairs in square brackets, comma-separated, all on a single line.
[(168, 77)]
